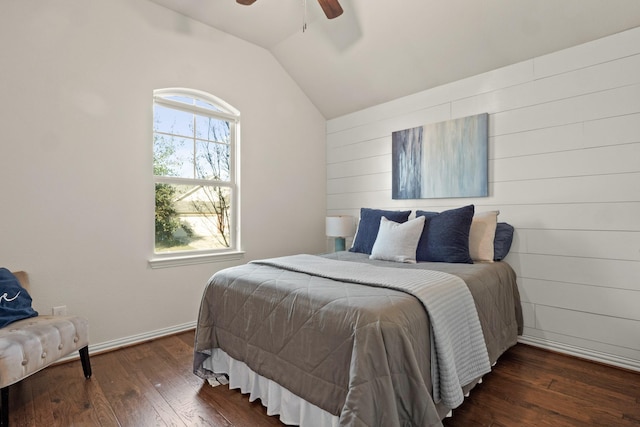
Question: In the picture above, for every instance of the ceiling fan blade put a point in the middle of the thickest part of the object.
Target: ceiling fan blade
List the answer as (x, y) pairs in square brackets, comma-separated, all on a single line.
[(331, 8), (246, 2)]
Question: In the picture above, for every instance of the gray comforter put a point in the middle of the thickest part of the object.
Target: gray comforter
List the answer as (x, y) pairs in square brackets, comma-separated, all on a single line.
[(359, 352), (458, 352)]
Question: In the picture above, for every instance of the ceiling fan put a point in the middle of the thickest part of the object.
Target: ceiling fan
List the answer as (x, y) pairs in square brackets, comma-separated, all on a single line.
[(331, 8)]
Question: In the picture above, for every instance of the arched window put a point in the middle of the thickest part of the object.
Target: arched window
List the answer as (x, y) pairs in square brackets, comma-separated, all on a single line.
[(195, 171)]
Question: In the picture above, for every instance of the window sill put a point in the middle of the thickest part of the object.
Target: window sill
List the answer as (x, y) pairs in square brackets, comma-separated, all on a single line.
[(180, 260)]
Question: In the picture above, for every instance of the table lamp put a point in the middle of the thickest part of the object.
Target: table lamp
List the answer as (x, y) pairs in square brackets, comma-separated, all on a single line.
[(340, 227)]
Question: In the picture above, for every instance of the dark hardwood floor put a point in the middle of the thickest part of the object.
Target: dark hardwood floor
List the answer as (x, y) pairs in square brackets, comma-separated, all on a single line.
[(151, 384)]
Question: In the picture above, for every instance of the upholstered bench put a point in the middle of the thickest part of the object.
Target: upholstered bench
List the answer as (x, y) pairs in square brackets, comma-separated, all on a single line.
[(29, 345)]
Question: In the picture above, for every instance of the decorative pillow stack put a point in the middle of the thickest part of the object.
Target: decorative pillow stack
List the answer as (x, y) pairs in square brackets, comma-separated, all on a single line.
[(456, 236)]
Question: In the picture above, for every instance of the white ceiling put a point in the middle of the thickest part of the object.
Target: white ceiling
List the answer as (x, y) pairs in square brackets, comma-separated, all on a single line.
[(379, 50)]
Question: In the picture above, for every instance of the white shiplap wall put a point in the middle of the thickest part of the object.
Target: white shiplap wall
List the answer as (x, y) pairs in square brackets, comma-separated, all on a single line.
[(564, 169)]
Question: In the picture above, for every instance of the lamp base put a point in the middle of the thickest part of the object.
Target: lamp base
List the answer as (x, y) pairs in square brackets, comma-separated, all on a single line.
[(340, 244)]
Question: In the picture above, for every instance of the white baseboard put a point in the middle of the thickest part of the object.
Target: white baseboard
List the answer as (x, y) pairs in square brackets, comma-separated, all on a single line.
[(132, 340), (596, 356)]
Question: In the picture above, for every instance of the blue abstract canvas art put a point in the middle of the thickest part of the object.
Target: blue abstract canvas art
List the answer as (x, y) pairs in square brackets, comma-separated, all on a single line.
[(441, 160)]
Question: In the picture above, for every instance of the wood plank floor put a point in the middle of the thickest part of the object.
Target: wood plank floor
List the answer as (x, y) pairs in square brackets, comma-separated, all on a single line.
[(151, 384)]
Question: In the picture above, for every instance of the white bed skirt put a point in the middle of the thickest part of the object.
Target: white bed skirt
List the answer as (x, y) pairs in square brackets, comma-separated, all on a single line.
[(291, 409)]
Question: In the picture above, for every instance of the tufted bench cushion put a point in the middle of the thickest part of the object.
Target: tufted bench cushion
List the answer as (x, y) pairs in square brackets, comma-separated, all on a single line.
[(29, 345)]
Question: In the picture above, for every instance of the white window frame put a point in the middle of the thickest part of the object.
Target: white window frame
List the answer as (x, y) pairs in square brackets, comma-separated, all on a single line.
[(227, 113)]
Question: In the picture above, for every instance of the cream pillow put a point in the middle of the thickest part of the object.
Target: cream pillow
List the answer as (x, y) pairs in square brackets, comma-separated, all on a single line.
[(481, 235), (397, 241)]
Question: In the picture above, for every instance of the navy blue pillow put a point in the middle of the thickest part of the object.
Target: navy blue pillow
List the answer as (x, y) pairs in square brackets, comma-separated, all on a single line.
[(369, 226), (445, 237), (15, 301), (502, 241)]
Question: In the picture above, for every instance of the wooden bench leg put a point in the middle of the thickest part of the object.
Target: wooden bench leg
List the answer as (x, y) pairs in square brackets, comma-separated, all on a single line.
[(4, 401), (86, 363)]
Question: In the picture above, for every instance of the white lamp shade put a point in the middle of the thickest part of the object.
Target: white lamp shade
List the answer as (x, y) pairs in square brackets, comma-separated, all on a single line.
[(340, 226)]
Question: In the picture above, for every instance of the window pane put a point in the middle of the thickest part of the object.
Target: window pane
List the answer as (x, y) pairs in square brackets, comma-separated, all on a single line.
[(172, 121), (184, 99), (204, 104), (173, 156), (193, 101), (212, 129), (192, 217), (212, 161)]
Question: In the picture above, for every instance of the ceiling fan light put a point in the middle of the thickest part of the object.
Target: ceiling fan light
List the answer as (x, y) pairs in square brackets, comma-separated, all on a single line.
[(246, 2)]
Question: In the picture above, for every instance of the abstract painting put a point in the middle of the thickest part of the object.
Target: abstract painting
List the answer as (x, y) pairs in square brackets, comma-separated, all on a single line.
[(441, 160)]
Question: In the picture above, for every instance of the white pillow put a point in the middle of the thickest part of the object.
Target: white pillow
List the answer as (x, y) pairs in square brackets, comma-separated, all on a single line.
[(397, 241), (482, 234)]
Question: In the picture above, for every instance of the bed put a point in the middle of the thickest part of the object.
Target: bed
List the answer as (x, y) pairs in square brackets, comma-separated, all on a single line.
[(344, 339)]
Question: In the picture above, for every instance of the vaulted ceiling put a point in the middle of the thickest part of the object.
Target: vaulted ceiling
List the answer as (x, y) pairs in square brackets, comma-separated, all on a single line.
[(379, 50)]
